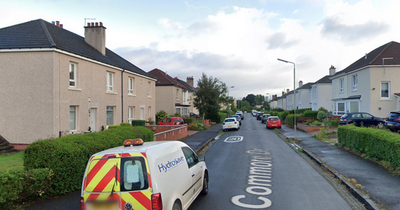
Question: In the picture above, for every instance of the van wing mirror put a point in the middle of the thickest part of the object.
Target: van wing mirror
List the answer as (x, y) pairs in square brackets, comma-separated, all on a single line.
[(201, 158)]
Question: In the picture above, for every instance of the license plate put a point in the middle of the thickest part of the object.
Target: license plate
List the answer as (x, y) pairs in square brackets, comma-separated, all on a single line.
[(230, 126), (102, 206), (389, 124)]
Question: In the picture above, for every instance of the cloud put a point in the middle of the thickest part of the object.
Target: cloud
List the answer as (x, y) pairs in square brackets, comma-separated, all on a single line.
[(279, 41), (334, 28)]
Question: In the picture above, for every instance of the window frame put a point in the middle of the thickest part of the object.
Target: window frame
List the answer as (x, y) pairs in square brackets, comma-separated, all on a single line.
[(113, 115), (177, 94), (149, 89), (144, 173), (131, 82), (341, 85), (131, 114), (354, 81), (72, 66), (388, 90), (186, 151), (110, 81), (75, 118)]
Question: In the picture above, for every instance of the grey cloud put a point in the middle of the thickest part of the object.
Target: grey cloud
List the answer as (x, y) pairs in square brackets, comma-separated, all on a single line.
[(279, 41), (201, 27), (333, 28)]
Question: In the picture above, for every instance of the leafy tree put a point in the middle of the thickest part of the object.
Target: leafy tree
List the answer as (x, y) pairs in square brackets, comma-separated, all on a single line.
[(244, 105), (207, 99), (160, 116), (251, 98)]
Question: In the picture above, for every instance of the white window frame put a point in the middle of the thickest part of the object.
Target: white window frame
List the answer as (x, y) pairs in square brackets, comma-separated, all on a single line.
[(388, 89), (110, 81), (75, 118), (354, 81), (131, 82), (72, 67), (110, 109), (341, 85), (149, 89), (142, 113), (131, 114), (177, 94), (149, 112)]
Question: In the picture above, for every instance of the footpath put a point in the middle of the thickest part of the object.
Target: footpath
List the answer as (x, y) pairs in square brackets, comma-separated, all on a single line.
[(381, 188), (197, 140)]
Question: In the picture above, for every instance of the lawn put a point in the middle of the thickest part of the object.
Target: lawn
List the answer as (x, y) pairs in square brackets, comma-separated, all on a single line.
[(12, 161)]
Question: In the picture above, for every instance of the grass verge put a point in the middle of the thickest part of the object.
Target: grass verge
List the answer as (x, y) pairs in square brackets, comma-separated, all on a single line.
[(12, 161)]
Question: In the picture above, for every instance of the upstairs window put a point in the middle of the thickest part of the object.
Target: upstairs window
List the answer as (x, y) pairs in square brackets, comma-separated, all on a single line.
[(341, 85), (177, 94), (385, 90), (72, 75), (149, 89), (130, 86), (355, 82), (110, 81)]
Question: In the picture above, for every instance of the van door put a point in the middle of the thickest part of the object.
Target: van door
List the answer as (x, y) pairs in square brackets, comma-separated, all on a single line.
[(195, 173), (135, 182)]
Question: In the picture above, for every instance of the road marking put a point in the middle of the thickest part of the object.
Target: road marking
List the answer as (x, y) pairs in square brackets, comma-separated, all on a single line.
[(233, 139)]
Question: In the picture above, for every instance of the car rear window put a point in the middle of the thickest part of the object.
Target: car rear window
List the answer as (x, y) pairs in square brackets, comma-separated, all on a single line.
[(273, 119), (394, 115), (229, 120), (133, 174)]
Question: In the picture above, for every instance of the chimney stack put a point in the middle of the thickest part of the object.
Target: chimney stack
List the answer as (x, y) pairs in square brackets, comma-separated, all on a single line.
[(332, 70), (300, 83), (287, 90), (95, 35), (189, 81)]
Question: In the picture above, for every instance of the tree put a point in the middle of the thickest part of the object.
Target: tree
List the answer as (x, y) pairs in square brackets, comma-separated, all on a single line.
[(251, 98), (209, 96)]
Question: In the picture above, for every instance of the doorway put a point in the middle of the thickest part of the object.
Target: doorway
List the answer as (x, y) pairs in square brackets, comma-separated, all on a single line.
[(92, 119)]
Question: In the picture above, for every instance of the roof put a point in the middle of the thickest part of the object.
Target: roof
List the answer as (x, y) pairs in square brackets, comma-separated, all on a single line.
[(187, 86), (306, 86), (325, 79), (38, 34), (375, 57), (163, 79)]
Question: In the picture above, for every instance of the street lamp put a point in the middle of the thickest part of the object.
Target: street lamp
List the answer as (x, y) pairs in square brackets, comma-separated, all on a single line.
[(228, 101), (294, 94)]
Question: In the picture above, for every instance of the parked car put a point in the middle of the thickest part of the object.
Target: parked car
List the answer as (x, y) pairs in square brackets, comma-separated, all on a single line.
[(230, 123), (194, 115), (259, 115), (172, 121), (254, 113), (264, 118), (361, 119), (238, 119), (273, 122), (392, 121), (240, 113), (140, 175)]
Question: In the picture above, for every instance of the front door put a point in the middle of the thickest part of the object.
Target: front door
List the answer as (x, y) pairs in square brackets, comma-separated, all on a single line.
[(92, 119)]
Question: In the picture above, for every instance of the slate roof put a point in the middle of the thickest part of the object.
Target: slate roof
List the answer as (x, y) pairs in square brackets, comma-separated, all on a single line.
[(37, 34), (306, 86), (325, 79), (391, 49), (163, 79), (187, 86)]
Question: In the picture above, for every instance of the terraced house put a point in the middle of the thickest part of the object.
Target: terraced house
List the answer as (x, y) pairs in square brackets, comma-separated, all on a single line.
[(55, 82)]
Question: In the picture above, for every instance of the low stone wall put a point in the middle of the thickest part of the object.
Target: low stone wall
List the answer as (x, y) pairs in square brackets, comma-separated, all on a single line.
[(168, 133), (310, 129)]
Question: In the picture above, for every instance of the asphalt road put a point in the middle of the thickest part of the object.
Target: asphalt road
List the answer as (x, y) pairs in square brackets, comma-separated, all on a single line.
[(254, 169)]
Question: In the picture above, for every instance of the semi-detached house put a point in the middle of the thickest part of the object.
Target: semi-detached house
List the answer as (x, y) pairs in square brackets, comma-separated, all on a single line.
[(55, 82)]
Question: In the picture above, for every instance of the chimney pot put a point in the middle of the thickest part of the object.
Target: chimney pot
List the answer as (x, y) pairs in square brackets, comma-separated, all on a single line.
[(61, 26), (88, 24), (58, 23), (92, 24), (101, 24), (97, 24)]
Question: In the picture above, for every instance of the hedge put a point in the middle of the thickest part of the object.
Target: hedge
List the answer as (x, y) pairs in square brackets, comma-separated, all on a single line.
[(138, 123), (67, 156), (290, 119), (310, 113), (282, 116), (20, 187), (377, 144)]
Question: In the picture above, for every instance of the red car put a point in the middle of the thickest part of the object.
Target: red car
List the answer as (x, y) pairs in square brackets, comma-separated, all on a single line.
[(273, 122), (172, 121)]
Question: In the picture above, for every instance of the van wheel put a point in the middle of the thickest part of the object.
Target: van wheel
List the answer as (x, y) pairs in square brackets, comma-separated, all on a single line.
[(204, 191), (176, 206)]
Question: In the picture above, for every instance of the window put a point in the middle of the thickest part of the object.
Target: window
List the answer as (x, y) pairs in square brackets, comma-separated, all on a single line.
[(178, 111), (110, 81), (183, 97), (142, 113), (341, 85), (72, 118), (133, 174), (355, 81), (110, 115), (177, 94), (190, 156), (131, 111), (149, 110), (354, 106), (149, 89), (385, 90), (314, 91), (130, 85), (72, 75), (341, 108)]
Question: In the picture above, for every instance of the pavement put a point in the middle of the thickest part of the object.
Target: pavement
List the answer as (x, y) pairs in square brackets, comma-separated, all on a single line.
[(197, 140), (378, 188)]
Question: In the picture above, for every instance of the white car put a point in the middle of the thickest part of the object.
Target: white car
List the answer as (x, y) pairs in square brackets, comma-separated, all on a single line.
[(152, 175), (230, 123)]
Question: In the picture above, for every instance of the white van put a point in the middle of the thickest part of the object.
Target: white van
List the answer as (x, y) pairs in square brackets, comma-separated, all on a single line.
[(165, 175)]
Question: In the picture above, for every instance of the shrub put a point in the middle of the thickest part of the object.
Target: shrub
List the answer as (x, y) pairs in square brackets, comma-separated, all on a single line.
[(125, 125), (321, 115), (331, 123), (283, 115), (138, 122), (188, 120), (290, 119), (377, 144), (67, 156), (19, 187), (301, 111), (222, 115), (310, 113), (197, 126), (160, 116), (113, 126)]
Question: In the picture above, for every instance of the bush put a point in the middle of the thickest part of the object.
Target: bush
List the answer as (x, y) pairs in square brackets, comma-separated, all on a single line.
[(138, 123), (301, 111), (321, 115), (188, 120), (376, 144), (19, 187), (290, 119), (197, 126), (331, 123), (310, 113), (67, 156), (113, 126), (222, 115), (283, 115), (125, 124)]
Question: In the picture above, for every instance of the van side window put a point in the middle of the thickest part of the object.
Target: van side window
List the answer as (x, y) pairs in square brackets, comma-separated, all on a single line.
[(133, 174), (191, 157)]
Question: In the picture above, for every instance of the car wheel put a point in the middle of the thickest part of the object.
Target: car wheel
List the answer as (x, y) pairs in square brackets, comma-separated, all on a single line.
[(204, 191), (380, 125), (176, 206)]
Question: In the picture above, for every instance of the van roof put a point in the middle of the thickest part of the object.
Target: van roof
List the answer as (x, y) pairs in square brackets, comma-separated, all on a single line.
[(159, 145)]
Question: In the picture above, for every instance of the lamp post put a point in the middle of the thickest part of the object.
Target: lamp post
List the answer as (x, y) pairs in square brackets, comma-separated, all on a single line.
[(294, 94), (228, 101)]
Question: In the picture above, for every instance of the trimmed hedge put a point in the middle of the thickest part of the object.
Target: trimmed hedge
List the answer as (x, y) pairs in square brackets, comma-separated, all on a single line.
[(290, 119), (67, 156), (188, 120), (138, 122), (310, 113), (20, 187), (283, 115), (377, 144)]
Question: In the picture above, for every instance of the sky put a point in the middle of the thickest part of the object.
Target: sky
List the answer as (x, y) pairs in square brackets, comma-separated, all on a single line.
[(235, 41)]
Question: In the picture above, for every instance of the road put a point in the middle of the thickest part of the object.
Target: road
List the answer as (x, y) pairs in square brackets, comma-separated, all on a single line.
[(253, 168)]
